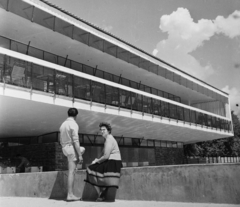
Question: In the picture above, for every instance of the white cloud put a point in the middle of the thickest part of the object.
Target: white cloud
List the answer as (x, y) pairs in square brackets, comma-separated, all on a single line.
[(234, 95), (229, 26), (155, 51), (108, 28), (182, 31), (185, 36)]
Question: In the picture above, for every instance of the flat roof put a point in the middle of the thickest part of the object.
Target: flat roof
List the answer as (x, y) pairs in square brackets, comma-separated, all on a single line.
[(123, 41)]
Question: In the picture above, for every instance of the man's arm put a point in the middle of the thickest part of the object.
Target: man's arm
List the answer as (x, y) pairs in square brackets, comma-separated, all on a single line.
[(76, 143), (77, 148), (20, 165)]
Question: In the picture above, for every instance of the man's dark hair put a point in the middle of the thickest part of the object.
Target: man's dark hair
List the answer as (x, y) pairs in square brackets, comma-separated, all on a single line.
[(107, 125), (72, 112)]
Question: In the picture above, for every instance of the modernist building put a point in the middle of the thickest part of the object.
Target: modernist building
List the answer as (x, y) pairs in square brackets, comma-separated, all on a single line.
[(51, 60)]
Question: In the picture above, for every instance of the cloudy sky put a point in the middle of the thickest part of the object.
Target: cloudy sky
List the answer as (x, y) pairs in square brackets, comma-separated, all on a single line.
[(200, 37)]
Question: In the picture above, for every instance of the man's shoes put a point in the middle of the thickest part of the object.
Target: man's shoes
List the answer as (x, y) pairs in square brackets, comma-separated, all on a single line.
[(100, 199), (73, 198)]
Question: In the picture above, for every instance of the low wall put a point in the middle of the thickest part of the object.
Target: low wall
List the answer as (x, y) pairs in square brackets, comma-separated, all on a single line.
[(211, 183), (50, 155)]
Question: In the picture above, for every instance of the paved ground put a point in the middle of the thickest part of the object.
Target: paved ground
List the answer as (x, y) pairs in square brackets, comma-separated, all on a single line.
[(44, 202)]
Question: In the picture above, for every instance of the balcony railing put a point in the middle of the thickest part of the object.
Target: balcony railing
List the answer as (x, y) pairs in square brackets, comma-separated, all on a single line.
[(37, 77), (41, 54), (92, 140)]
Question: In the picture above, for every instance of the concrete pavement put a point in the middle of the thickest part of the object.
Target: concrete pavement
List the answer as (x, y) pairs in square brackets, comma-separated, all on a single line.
[(211, 183), (45, 202)]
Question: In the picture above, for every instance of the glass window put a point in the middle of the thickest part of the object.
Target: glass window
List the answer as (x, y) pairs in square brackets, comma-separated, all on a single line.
[(147, 105), (125, 99), (166, 95), (34, 140), (169, 75), (157, 143), (165, 109), (141, 87), (193, 116), (76, 66), (81, 139), (162, 71), (160, 93), (127, 141), (154, 91), (99, 73), (87, 69), (144, 142), (134, 84), (137, 103), (38, 78), (156, 107), (4, 42), (163, 144), (98, 140), (179, 113), (49, 138), (174, 144), (98, 94), (180, 145), (18, 47), (63, 83), (88, 139), (63, 61), (177, 99), (169, 144), (136, 142), (50, 57), (12, 142), (125, 82), (117, 79), (148, 89), (186, 115), (82, 88), (173, 111), (150, 143), (112, 95), (170, 96), (25, 141), (119, 140), (108, 76), (35, 53)]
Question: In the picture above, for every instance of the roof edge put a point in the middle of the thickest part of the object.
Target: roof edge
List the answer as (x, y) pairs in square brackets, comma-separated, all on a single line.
[(123, 41)]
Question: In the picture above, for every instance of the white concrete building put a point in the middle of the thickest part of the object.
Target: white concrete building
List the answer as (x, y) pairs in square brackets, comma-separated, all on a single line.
[(51, 60)]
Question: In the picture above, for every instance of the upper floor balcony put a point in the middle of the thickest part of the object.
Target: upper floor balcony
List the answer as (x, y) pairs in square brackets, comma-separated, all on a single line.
[(64, 61), (34, 74), (63, 36), (213, 106)]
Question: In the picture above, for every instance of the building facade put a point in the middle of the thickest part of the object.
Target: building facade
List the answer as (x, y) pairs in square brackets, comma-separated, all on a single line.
[(51, 60)]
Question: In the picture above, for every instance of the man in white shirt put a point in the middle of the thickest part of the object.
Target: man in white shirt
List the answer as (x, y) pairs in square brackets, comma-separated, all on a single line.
[(71, 148)]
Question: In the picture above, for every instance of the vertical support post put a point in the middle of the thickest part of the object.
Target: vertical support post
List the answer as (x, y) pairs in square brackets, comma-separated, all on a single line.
[(73, 88), (54, 24), (65, 61), (120, 79), (28, 47), (54, 81), (33, 14)]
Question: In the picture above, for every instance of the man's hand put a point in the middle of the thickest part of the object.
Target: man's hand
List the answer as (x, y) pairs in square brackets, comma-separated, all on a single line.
[(80, 159)]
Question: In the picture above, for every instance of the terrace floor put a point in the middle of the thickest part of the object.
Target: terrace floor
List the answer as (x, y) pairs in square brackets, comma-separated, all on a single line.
[(39, 202)]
